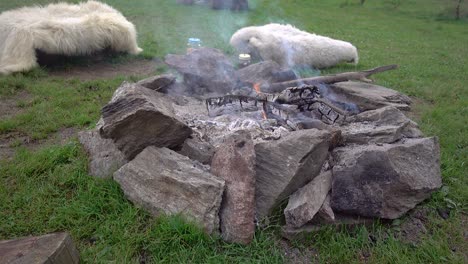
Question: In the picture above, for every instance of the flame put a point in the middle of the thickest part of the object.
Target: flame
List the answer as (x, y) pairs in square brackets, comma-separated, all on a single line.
[(256, 87)]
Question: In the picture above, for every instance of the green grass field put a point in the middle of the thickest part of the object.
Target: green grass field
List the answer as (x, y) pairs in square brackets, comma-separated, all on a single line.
[(47, 189)]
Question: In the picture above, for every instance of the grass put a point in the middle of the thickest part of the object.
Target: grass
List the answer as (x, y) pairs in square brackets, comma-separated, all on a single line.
[(48, 189)]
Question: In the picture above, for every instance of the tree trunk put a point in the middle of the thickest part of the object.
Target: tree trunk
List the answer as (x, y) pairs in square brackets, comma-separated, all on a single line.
[(457, 11)]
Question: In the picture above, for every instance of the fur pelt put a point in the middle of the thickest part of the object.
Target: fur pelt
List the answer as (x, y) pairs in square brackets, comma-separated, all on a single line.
[(289, 46), (62, 29)]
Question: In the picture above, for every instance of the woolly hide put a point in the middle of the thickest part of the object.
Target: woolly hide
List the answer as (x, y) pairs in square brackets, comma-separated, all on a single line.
[(62, 29), (289, 46)]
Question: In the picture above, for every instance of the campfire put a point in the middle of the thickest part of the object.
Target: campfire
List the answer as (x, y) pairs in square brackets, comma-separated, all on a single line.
[(226, 146)]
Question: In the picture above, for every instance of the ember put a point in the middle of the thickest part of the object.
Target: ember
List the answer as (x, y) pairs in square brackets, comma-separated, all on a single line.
[(257, 90)]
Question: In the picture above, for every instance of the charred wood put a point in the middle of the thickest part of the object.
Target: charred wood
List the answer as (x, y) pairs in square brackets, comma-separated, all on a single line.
[(329, 79)]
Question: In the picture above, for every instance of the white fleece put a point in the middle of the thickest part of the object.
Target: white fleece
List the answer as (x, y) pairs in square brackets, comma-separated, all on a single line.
[(289, 46), (62, 29)]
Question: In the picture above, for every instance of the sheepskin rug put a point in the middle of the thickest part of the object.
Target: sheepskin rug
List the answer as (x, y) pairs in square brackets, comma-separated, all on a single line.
[(289, 46), (64, 29)]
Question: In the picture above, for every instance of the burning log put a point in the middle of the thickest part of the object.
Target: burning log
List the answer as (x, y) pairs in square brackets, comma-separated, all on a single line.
[(282, 106), (329, 79)]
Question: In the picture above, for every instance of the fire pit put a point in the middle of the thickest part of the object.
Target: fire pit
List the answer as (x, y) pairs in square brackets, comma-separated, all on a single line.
[(225, 147)]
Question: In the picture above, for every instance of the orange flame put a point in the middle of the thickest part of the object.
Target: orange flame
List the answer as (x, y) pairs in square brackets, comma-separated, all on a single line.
[(257, 89)]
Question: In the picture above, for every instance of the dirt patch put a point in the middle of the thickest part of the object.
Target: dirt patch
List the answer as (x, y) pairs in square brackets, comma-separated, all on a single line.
[(297, 255), (106, 70), (11, 141), (10, 106), (413, 228), (100, 65)]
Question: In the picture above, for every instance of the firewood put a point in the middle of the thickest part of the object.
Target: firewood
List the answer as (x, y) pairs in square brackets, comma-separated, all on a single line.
[(329, 79)]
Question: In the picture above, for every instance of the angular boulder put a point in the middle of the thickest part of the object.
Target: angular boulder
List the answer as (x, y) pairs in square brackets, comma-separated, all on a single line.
[(307, 201), (234, 162), (138, 117), (383, 125), (369, 96), (325, 213), (285, 165), (198, 150), (104, 157), (385, 181), (161, 180), (56, 248), (158, 82), (205, 70), (261, 72)]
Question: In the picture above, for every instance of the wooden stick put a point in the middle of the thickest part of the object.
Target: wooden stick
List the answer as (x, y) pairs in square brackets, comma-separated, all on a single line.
[(328, 79)]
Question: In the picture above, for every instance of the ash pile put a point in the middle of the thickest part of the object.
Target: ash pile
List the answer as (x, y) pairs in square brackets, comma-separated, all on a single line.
[(229, 148)]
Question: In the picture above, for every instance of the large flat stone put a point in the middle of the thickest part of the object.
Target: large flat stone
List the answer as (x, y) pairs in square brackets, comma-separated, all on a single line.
[(104, 157), (385, 181), (307, 201), (138, 117), (383, 125), (198, 150), (205, 70), (325, 213), (56, 248), (259, 73), (285, 165), (234, 162), (161, 180), (158, 82), (369, 96)]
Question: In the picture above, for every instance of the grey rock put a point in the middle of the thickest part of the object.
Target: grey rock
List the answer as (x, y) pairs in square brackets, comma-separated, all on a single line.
[(161, 180), (325, 213), (383, 125), (369, 96), (261, 72), (234, 162), (385, 181), (55, 248), (205, 70), (285, 165), (359, 133), (388, 115), (198, 150), (307, 201), (158, 82), (99, 124), (104, 157), (137, 117)]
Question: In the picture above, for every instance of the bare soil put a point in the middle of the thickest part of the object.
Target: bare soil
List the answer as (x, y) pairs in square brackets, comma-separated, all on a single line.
[(9, 105), (297, 255), (9, 142), (106, 70)]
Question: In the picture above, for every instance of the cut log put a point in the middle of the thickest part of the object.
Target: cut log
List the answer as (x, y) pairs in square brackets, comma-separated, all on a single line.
[(340, 77)]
